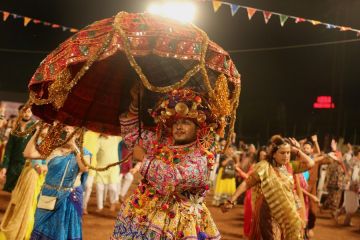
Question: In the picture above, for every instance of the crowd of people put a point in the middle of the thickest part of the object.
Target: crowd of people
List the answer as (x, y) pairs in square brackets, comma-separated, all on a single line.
[(329, 184), (282, 185)]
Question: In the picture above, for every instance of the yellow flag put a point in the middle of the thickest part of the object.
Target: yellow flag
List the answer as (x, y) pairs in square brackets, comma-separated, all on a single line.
[(315, 22), (26, 21), (216, 5)]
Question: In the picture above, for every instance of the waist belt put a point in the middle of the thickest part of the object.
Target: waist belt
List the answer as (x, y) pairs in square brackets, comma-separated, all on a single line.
[(57, 187)]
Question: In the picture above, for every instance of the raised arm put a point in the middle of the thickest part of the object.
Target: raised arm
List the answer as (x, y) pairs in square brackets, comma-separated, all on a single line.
[(30, 151), (314, 138), (304, 161)]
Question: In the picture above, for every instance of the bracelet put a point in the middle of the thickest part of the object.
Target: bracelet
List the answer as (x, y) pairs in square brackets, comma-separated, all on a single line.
[(77, 151)]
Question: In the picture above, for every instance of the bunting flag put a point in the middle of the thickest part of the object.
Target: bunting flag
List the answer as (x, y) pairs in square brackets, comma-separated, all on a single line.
[(5, 15), (250, 12), (27, 20), (267, 16), (216, 5), (283, 17), (314, 22), (234, 8), (299, 20)]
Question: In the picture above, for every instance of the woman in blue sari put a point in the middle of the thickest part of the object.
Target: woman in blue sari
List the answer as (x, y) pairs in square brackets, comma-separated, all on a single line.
[(63, 181)]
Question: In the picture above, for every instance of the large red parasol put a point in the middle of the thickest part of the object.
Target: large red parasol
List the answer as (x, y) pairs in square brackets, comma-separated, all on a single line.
[(86, 81)]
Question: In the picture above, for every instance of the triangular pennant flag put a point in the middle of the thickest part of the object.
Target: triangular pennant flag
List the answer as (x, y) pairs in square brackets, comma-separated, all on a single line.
[(216, 5), (55, 26), (250, 12), (234, 8), (343, 29), (314, 22), (298, 20), (36, 21), (283, 19), (26, 21), (5, 15), (64, 28), (73, 30), (267, 16)]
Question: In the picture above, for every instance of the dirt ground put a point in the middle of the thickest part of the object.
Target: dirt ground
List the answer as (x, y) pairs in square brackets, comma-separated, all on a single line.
[(100, 225)]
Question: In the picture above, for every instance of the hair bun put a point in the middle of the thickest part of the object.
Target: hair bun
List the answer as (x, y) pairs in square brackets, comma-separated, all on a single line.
[(276, 139)]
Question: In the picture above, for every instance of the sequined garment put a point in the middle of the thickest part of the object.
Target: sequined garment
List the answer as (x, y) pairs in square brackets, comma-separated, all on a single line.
[(13, 158), (275, 215), (169, 202)]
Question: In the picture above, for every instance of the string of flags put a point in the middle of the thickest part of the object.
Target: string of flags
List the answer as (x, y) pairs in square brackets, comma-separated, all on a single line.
[(27, 20), (234, 8)]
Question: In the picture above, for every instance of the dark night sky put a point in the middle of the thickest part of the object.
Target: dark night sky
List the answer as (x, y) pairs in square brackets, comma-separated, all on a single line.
[(278, 87)]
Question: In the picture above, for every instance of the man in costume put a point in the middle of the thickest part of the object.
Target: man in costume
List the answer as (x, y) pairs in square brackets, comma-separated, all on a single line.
[(13, 158), (176, 164)]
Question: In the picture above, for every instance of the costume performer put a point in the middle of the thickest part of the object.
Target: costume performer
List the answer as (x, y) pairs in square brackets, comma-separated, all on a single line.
[(169, 201), (275, 213)]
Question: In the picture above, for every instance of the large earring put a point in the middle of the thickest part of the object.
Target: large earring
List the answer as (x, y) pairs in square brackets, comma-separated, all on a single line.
[(206, 138)]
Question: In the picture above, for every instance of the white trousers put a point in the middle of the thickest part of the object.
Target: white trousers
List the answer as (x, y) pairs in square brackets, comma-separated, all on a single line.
[(100, 193), (88, 190), (125, 183)]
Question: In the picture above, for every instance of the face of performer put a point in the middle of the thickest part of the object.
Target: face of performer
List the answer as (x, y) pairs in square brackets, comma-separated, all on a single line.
[(308, 149), (27, 115), (282, 155), (184, 131)]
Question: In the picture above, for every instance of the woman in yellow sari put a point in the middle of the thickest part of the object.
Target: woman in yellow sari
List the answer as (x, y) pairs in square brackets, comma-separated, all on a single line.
[(275, 207), (18, 220)]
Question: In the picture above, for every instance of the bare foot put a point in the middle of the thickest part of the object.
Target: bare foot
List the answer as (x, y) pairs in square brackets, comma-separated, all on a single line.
[(85, 212), (98, 210), (310, 233)]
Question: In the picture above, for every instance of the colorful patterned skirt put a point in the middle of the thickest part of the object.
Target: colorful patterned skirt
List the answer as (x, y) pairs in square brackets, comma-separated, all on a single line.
[(148, 216)]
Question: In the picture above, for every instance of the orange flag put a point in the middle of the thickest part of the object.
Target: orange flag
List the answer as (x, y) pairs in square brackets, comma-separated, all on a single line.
[(251, 12), (26, 21), (343, 29), (5, 15)]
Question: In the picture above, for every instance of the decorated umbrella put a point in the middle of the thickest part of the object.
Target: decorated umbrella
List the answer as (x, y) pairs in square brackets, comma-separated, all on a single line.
[(86, 80)]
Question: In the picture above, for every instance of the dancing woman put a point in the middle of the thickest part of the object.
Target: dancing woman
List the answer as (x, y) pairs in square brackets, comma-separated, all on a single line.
[(275, 213), (63, 181), (18, 220)]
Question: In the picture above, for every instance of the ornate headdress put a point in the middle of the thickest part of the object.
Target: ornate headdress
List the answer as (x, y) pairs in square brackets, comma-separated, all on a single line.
[(186, 103)]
